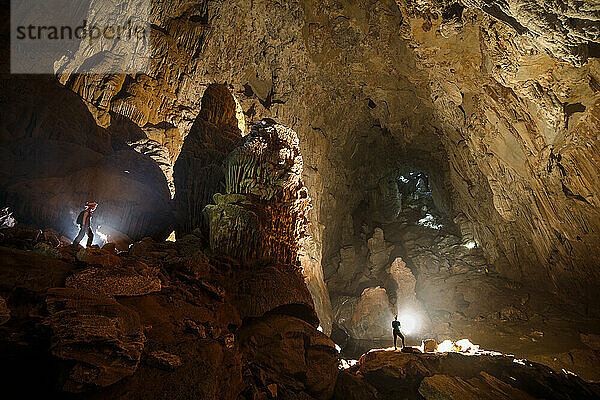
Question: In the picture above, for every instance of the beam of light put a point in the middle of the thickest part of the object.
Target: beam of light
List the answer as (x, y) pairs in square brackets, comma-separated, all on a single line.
[(409, 322), (102, 236)]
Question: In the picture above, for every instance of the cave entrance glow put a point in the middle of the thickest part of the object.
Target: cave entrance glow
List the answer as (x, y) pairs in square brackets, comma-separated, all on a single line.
[(397, 241)]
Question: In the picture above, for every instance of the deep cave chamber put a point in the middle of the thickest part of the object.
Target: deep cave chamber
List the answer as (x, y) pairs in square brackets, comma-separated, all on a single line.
[(449, 152)]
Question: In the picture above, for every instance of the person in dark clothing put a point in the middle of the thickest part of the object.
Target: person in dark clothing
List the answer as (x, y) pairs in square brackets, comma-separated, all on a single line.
[(396, 331), (85, 224)]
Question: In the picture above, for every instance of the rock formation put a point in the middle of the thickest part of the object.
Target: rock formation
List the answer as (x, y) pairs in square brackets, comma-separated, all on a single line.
[(394, 375), (174, 321), (498, 89), (262, 214), (50, 170), (197, 172)]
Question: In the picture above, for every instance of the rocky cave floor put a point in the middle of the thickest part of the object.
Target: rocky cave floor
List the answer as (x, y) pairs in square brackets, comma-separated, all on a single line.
[(169, 320)]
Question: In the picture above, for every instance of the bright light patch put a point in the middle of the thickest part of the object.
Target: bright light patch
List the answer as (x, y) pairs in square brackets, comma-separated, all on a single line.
[(338, 348), (428, 221), (465, 345), (101, 235), (171, 237), (345, 364), (445, 346), (409, 323), (320, 328), (471, 244)]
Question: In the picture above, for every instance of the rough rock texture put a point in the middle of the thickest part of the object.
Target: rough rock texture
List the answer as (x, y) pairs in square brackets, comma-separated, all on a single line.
[(163, 360), (446, 285), (505, 92), (117, 281), (496, 101), (167, 320), (456, 376), (198, 173), (98, 257), (104, 338), (290, 348), (274, 289), (263, 214)]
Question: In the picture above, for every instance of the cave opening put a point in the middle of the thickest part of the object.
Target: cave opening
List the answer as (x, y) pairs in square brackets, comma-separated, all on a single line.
[(398, 235)]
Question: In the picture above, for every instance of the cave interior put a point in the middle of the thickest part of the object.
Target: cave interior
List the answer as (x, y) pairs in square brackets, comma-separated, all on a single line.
[(283, 180)]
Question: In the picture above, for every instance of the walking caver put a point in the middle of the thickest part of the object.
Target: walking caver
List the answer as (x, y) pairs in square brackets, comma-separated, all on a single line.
[(84, 219)]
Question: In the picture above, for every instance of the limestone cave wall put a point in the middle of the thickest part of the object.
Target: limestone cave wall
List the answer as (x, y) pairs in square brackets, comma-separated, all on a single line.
[(55, 158), (497, 102)]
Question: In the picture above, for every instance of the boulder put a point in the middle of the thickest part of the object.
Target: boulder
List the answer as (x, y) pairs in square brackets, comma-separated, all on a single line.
[(429, 345), (457, 376), (98, 257), (116, 281), (292, 353), (47, 250), (31, 272), (277, 289), (102, 339)]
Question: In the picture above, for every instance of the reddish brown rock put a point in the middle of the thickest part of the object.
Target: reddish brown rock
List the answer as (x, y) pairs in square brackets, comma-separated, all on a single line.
[(278, 289), (292, 353), (163, 360), (116, 281), (103, 338), (98, 257)]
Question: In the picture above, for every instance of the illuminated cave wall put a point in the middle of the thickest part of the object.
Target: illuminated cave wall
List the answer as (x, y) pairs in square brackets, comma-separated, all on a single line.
[(496, 98), (54, 159)]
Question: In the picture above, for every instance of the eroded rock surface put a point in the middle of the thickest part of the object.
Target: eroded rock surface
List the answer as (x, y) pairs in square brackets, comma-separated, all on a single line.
[(198, 172), (180, 323), (104, 338), (55, 159), (263, 213), (456, 376)]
